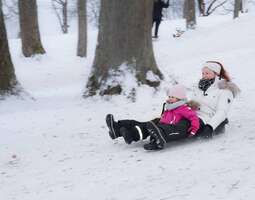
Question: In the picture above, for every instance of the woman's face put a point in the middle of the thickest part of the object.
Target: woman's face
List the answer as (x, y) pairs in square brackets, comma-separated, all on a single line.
[(172, 99), (208, 74)]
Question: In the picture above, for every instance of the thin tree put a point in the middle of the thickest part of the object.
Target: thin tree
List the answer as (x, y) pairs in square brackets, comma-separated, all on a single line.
[(8, 81), (93, 7), (244, 6), (30, 35), (189, 11), (60, 7), (201, 7), (237, 8), (124, 46), (82, 26)]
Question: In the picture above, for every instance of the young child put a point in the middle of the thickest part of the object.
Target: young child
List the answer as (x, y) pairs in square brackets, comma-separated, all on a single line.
[(177, 121), (171, 125)]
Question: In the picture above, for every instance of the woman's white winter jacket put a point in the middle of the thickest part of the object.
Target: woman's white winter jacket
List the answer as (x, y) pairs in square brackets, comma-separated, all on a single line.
[(215, 102)]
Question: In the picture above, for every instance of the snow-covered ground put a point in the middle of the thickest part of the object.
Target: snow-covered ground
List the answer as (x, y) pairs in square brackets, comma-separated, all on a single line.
[(55, 145)]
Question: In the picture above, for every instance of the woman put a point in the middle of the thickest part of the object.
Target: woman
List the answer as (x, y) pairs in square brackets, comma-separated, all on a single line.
[(215, 93)]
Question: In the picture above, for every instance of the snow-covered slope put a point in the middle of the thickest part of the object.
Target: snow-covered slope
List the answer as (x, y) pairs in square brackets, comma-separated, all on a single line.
[(57, 146)]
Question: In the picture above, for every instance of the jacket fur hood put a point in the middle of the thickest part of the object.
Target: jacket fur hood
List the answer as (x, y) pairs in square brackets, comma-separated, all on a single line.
[(228, 85), (194, 105)]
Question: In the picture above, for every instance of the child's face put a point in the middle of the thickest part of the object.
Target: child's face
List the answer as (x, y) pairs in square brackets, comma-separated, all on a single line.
[(172, 99)]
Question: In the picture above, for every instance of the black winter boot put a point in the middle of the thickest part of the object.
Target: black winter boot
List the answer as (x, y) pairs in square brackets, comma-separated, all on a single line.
[(156, 133), (114, 129)]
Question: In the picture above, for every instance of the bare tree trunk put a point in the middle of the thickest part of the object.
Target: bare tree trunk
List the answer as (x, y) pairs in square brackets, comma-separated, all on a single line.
[(244, 6), (93, 7), (190, 14), (201, 7), (82, 26), (124, 47), (61, 9), (8, 81), (237, 8), (185, 7), (30, 35), (65, 18)]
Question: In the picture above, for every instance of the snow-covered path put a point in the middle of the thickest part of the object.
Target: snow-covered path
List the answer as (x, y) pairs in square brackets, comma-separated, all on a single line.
[(57, 147)]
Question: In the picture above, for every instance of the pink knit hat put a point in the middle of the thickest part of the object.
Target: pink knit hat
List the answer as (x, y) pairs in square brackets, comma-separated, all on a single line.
[(178, 91)]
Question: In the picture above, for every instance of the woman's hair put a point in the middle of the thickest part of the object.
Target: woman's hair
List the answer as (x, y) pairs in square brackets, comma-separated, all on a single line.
[(223, 73)]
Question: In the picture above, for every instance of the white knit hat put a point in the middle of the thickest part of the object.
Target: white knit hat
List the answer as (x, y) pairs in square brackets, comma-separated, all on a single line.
[(213, 66), (178, 91)]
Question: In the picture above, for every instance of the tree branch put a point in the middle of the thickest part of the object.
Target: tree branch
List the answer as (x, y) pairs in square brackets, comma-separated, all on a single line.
[(217, 6)]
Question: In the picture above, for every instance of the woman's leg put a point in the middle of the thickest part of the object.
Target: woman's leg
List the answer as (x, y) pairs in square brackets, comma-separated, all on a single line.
[(219, 129)]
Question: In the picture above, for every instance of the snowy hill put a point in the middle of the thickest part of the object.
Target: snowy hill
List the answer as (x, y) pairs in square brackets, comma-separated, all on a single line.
[(56, 145)]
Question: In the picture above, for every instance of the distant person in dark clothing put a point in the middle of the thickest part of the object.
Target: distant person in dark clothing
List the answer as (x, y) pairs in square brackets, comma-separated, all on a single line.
[(157, 14)]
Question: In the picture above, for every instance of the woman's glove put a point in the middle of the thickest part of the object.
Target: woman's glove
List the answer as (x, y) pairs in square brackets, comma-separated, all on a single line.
[(207, 131)]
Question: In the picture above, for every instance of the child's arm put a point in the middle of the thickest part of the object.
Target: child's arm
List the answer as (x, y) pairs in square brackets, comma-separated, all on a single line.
[(191, 115)]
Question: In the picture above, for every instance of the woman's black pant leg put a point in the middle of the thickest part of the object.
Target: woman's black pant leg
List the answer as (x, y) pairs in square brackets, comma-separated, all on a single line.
[(219, 129)]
